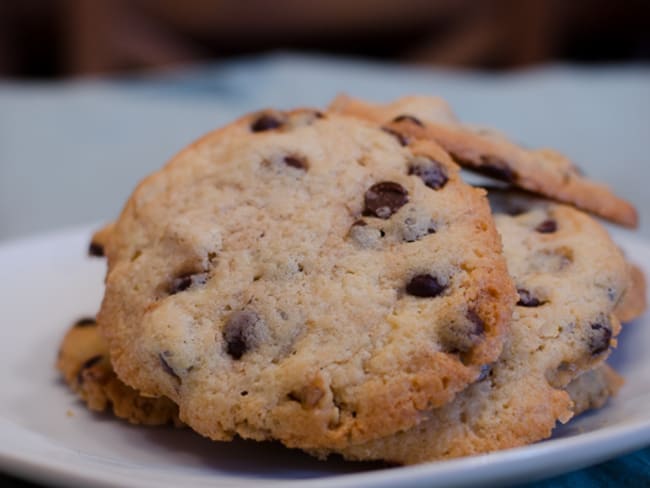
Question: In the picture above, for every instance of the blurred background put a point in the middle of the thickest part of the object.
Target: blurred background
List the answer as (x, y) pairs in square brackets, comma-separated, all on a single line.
[(96, 94), (60, 38)]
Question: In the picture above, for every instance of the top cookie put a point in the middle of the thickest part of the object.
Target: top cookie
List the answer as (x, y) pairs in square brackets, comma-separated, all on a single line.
[(542, 171), (305, 277)]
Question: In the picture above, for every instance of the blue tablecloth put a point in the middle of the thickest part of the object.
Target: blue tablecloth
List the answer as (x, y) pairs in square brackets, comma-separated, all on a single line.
[(71, 152)]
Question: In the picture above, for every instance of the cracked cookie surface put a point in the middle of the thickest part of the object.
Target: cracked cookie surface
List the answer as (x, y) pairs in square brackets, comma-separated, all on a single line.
[(305, 277)]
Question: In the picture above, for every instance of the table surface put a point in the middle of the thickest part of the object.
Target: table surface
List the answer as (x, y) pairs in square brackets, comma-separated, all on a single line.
[(71, 152)]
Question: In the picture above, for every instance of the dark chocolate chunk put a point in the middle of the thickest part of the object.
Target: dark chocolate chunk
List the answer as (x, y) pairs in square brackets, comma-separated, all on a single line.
[(431, 172), (460, 336), (496, 168), (547, 227), (600, 338), (477, 323), (186, 281), (424, 286), (401, 138), (166, 367), (88, 363), (296, 162), (266, 122), (384, 199), (85, 322), (489, 166), (243, 331), (408, 118), (527, 299), (96, 250)]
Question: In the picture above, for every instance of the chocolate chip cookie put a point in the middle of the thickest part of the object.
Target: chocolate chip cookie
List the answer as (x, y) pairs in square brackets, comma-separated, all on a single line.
[(306, 277), (488, 152), (570, 277), (85, 365)]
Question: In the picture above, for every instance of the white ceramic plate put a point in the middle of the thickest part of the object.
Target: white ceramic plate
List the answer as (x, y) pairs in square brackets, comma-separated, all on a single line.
[(47, 435)]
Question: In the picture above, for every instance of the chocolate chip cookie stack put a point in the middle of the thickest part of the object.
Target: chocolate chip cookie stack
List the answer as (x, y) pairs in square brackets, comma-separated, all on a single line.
[(329, 280)]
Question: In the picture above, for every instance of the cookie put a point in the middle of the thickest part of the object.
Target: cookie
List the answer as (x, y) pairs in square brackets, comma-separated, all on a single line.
[(541, 171), (101, 389), (592, 389), (514, 202), (305, 277), (562, 326), (85, 365)]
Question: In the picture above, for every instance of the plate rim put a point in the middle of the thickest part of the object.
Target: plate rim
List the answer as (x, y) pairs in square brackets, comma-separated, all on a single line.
[(576, 451)]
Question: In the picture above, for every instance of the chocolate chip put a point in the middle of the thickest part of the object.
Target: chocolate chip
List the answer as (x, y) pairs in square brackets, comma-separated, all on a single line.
[(477, 322), (408, 118), (296, 162), (166, 367), (96, 250), (600, 338), (243, 331), (431, 172), (547, 227), (460, 335), (91, 362), (85, 322), (88, 363), (424, 286), (527, 299), (401, 138), (266, 122), (489, 166), (384, 199), (359, 223), (186, 281), (497, 168)]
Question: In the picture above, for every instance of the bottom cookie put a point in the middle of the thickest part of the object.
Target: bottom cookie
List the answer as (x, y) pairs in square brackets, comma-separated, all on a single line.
[(85, 365)]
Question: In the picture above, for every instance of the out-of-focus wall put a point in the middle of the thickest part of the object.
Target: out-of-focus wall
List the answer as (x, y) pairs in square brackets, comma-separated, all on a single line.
[(70, 37)]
